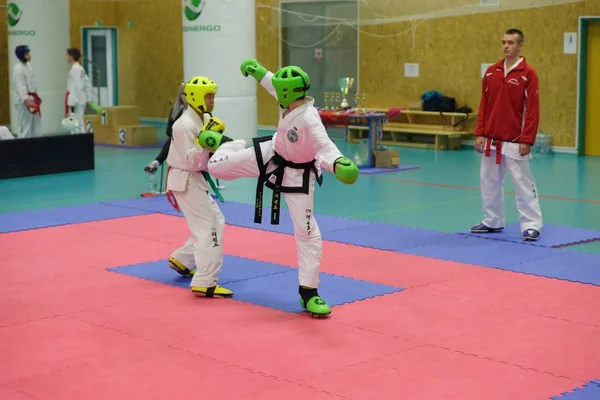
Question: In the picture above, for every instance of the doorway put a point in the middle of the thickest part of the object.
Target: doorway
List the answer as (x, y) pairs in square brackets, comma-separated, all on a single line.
[(588, 127), (326, 48), (100, 63)]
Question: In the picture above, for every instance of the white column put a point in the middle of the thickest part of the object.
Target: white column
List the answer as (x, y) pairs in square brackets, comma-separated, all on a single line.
[(217, 36), (43, 25)]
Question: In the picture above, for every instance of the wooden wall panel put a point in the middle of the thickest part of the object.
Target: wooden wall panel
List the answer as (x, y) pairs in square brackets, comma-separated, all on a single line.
[(375, 11), (450, 52), (149, 50), (592, 8), (86, 13), (153, 69)]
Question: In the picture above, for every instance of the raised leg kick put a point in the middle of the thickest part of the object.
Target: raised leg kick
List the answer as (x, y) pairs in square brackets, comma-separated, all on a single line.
[(286, 163)]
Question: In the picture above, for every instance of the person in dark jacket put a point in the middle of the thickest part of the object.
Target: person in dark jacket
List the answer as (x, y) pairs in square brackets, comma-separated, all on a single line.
[(178, 108)]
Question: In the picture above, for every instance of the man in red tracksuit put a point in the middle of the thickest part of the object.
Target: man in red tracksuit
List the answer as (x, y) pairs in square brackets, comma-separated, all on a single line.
[(506, 128)]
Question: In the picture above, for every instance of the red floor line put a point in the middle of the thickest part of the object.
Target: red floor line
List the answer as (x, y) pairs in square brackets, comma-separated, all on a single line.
[(478, 189)]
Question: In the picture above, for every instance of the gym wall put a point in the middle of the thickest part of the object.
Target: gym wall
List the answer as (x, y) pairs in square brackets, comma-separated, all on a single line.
[(150, 52), (449, 50), (149, 48)]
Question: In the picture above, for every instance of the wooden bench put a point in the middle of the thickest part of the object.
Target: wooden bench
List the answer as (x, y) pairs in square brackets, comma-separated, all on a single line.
[(423, 129)]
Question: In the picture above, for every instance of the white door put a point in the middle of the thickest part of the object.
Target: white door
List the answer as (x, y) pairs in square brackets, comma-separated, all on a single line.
[(99, 64)]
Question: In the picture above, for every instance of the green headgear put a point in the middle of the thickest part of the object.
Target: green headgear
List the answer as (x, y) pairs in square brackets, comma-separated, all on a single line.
[(290, 83)]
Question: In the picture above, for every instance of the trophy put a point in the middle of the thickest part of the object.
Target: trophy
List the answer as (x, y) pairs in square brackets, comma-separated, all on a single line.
[(345, 85)]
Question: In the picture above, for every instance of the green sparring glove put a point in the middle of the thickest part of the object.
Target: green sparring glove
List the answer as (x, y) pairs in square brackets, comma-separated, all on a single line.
[(345, 170), (211, 140), (211, 136), (95, 107), (214, 124), (253, 67)]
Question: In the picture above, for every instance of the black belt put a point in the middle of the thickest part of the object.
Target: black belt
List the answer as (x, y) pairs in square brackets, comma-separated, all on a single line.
[(277, 186)]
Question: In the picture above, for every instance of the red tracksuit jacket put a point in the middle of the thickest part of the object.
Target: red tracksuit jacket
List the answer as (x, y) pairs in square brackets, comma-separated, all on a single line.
[(510, 107)]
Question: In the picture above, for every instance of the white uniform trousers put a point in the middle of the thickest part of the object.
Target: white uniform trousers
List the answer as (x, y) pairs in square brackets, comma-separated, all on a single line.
[(79, 116), (492, 192), (233, 160), (204, 249), (29, 124)]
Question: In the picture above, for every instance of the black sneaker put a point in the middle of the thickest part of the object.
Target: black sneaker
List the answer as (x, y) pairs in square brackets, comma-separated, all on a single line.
[(531, 235), (482, 228)]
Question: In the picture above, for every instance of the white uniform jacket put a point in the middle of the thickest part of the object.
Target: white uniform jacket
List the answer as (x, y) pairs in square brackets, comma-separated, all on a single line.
[(301, 137), (24, 82), (186, 158), (78, 86)]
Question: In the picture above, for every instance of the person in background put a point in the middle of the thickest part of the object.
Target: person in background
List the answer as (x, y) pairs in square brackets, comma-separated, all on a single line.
[(176, 110), (79, 89), (506, 128), (27, 101)]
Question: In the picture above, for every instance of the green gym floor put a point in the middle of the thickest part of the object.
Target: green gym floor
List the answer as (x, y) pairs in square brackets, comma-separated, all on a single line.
[(441, 195)]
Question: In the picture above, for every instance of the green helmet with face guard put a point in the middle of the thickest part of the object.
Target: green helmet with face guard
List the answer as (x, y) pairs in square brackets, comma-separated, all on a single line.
[(291, 83)]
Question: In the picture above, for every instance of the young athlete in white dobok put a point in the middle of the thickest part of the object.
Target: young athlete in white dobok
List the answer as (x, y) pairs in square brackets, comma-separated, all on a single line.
[(188, 190), (27, 101), (287, 163), (79, 92)]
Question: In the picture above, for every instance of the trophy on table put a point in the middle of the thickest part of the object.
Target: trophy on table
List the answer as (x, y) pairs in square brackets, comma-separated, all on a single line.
[(345, 84), (331, 98)]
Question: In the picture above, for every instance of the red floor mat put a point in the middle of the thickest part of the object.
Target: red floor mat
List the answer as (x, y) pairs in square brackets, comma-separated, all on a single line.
[(428, 373)]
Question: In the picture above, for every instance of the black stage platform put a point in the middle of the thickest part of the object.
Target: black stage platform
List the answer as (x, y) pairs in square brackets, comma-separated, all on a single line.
[(49, 154)]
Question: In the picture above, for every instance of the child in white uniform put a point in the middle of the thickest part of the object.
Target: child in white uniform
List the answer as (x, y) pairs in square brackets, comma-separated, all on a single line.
[(79, 90), (186, 181), (286, 163), (27, 101)]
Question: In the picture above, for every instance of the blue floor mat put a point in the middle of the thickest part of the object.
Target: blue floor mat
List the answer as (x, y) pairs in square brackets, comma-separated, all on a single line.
[(565, 265), (265, 284), (280, 291), (487, 253), (589, 391), (14, 222), (375, 234), (387, 237), (19, 221), (157, 204), (502, 254), (242, 214), (234, 269), (550, 236), (533, 260), (326, 223)]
